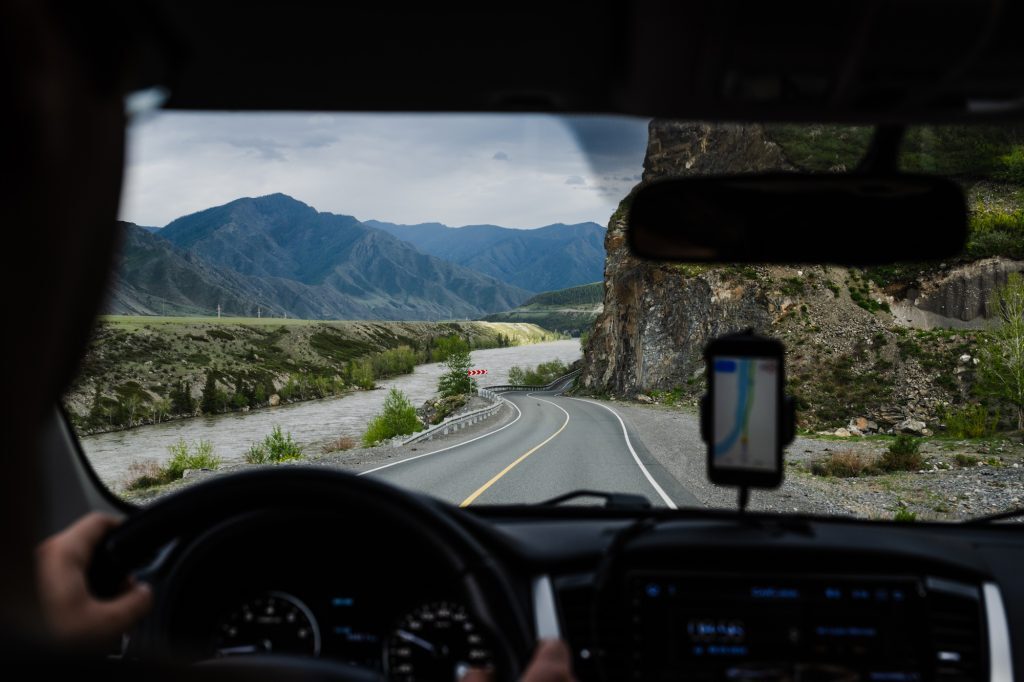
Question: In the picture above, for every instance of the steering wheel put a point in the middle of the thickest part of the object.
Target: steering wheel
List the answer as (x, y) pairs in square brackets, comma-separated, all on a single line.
[(193, 510)]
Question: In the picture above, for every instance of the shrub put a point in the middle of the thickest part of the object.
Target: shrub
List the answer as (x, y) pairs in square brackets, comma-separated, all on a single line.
[(903, 455), (200, 457), (843, 464), (276, 447), (904, 514), (542, 375), (339, 444), (971, 421), (1001, 370), (965, 460), (398, 419), (142, 475)]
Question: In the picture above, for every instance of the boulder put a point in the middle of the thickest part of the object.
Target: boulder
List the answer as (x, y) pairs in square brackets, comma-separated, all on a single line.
[(862, 424), (275, 400), (842, 433), (641, 398), (912, 426)]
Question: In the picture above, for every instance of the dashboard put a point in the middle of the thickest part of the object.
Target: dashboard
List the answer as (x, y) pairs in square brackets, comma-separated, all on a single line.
[(303, 586), (637, 597)]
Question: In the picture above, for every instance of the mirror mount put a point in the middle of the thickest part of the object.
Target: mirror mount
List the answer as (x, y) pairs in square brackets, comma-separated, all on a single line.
[(883, 154)]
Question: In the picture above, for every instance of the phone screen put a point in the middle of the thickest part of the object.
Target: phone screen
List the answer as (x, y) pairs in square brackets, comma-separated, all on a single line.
[(746, 418)]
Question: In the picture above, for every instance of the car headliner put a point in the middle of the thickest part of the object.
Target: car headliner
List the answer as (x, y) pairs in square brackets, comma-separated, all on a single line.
[(824, 60)]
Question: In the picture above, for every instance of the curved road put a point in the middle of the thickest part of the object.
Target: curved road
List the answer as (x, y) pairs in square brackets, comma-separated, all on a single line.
[(554, 445)]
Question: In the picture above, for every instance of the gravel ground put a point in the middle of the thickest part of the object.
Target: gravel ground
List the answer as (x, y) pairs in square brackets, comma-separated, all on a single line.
[(992, 481)]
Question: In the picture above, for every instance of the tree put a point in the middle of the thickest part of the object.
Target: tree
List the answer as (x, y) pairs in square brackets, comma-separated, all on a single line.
[(182, 401), (213, 400), (1001, 355), (456, 381)]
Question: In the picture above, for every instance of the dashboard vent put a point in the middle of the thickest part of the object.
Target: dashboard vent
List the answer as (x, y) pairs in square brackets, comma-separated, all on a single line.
[(955, 624)]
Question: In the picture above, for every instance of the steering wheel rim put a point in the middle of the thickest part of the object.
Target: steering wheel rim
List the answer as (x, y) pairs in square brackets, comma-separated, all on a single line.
[(190, 512)]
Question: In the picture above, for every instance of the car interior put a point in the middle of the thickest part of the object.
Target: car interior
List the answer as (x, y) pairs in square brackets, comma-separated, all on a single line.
[(420, 589)]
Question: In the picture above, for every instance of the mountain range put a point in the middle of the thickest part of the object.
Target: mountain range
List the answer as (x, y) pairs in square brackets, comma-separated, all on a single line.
[(552, 257), (283, 257)]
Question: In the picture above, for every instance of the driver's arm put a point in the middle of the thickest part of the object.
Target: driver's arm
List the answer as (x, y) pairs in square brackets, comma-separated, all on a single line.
[(72, 614)]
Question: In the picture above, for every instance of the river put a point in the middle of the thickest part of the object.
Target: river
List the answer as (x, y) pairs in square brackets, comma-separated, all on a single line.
[(309, 422)]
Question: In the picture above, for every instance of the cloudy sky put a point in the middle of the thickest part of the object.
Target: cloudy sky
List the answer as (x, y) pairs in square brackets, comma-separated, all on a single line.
[(512, 170)]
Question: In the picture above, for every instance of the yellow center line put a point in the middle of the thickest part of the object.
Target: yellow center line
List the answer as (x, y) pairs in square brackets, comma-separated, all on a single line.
[(479, 491)]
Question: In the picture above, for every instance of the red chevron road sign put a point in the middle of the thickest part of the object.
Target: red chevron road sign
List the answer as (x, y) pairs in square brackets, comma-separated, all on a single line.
[(476, 372)]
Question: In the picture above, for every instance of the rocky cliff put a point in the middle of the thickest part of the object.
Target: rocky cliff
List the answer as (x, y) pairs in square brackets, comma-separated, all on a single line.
[(858, 342)]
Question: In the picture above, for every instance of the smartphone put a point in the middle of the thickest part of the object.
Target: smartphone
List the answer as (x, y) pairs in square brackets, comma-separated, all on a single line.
[(745, 410)]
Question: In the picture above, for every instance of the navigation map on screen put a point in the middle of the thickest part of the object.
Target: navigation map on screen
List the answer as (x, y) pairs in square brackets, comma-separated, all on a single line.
[(746, 412)]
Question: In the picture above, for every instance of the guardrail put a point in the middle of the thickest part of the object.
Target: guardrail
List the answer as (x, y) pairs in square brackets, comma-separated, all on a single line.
[(507, 388), (491, 393), (453, 424)]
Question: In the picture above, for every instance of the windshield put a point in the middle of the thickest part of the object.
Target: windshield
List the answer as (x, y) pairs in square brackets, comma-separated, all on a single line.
[(447, 302)]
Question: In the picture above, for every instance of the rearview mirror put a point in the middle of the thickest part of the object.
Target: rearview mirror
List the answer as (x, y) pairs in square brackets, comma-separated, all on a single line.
[(792, 218)]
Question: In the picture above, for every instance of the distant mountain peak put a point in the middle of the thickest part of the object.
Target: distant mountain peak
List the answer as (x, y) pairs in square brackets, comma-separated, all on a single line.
[(546, 258)]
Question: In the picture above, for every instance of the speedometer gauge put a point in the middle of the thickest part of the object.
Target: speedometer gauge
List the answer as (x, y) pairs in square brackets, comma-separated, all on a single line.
[(437, 641), (272, 623)]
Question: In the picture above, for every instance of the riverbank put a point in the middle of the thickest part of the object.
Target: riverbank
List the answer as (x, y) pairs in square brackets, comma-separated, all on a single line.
[(311, 423), (148, 370), (357, 460)]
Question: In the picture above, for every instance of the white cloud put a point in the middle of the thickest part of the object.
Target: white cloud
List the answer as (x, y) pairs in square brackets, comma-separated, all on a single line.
[(393, 167)]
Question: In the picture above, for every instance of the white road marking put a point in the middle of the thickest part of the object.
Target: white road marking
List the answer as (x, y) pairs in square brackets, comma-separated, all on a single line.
[(450, 447), (650, 479)]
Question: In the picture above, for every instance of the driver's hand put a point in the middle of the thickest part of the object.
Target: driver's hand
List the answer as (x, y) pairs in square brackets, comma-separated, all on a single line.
[(72, 614), (551, 662)]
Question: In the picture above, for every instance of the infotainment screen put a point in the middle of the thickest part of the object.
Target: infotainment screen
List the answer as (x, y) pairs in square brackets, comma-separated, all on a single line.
[(745, 628)]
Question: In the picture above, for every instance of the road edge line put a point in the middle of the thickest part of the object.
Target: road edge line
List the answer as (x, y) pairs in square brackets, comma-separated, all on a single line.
[(647, 474)]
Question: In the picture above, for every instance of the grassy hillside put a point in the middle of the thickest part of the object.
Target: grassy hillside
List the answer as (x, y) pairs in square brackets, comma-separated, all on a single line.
[(148, 369), (571, 311), (587, 294)]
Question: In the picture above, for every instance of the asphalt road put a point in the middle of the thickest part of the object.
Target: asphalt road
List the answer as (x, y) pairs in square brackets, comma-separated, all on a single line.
[(554, 445)]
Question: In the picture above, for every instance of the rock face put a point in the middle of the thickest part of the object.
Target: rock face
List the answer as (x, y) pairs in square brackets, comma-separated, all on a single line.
[(957, 298), (656, 319), (849, 355)]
